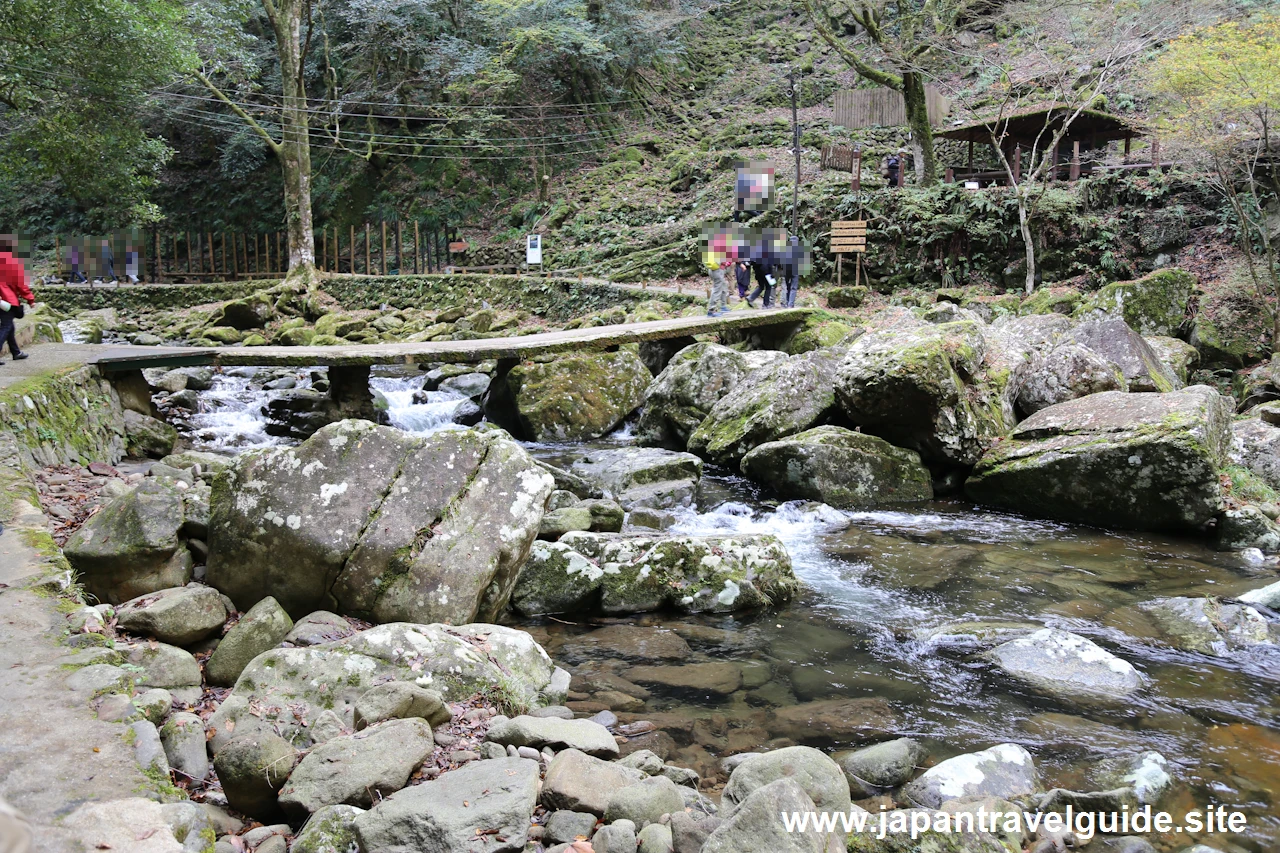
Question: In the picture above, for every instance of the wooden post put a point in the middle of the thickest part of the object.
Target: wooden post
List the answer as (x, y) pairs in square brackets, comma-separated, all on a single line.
[(382, 259), (1017, 163), (353, 249), (1075, 160), (224, 253), (1127, 138), (949, 176), (235, 265), (857, 269), (399, 246), (188, 236), (902, 171), (368, 270), (156, 270), (417, 247), (857, 170), (970, 156), (213, 263), (324, 250), (174, 268), (1155, 152), (57, 257), (839, 267)]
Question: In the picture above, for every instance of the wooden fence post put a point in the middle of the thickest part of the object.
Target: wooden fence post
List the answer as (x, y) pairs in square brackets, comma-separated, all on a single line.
[(399, 247), (1074, 174), (382, 258), (353, 249), (213, 264), (188, 236), (417, 247), (368, 270)]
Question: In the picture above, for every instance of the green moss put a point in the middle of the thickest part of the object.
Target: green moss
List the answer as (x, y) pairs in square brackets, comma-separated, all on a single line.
[(1248, 486)]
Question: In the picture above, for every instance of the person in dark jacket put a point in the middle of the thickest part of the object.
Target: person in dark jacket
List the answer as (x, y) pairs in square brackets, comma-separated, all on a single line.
[(791, 259), (742, 274), (763, 262), (13, 292)]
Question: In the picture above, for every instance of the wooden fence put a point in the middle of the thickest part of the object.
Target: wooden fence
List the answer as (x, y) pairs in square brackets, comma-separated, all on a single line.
[(384, 248), (858, 108)]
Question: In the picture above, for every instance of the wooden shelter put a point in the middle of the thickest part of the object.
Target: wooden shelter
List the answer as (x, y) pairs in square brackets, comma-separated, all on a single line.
[(1033, 129)]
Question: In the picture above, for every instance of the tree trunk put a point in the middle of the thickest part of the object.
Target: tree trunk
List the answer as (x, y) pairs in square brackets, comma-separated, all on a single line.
[(917, 108), (1024, 226), (294, 152)]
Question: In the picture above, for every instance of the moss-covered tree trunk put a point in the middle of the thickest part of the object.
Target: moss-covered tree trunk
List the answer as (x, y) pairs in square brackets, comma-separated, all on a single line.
[(294, 152), (917, 109)]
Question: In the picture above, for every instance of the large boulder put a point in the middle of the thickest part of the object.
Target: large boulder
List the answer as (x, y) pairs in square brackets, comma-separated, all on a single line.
[(1005, 770), (252, 769), (924, 388), (483, 807), (1207, 626), (820, 777), (689, 386), (1257, 447), (538, 732), (757, 823), (620, 470), (783, 398), (252, 312), (1066, 665), (454, 661), (181, 615), (1135, 461), (578, 782), (569, 398), (133, 545), (261, 629), (358, 769), (839, 467), (147, 436), (630, 573), (1177, 355), (1067, 371), (1156, 304), (376, 523), (1114, 340), (877, 768)]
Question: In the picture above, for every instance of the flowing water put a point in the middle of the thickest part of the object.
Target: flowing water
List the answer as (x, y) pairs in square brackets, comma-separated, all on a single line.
[(863, 636)]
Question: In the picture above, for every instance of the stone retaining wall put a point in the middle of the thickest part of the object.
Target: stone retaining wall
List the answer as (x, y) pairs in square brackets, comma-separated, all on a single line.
[(64, 418), (135, 298)]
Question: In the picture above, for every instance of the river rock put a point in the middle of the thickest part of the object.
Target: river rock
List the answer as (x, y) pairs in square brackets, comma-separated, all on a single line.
[(357, 769), (655, 838), (874, 769), (570, 398), (755, 824), (924, 388), (616, 471), (1066, 665), (473, 385), (1156, 304), (331, 829), (252, 768), (644, 802), (1005, 770), (667, 494), (839, 467), (1257, 446), (483, 807), (1136, 461), (400, 700), (606, 516), (633, 573), (1177, 355), (560, 521), (578, 782), (147, 436), (538, 732), (456, 661), (784, 398), (714, 677), (132, 546), (1267, 596), (820, 777), (695, 379), (319, 627), (179, 615), (184, 744), (1067, 371), (1246, 526), (565, 826), (841, 720), (1114, 340), (387, 525), (617, 837), (162, 665), (264, 627), (1207, 625)]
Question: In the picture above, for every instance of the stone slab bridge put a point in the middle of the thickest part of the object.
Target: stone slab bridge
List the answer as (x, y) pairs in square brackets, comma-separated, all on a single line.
[(349, 366)]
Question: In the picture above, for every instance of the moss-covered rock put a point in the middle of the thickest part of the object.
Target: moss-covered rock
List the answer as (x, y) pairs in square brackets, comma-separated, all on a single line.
[(223, 334), (1156, 304), (1048, 301), (252, 312), (259, 630), (847, 297), (298, 336), (1129, 461), (147, 436), (839, 467), (1177, 355), (572, 398), (816, 333), (339, 325), (1142, 368)]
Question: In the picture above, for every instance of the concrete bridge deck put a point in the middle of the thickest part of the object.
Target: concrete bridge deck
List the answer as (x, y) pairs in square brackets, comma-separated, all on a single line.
[(110, 358)]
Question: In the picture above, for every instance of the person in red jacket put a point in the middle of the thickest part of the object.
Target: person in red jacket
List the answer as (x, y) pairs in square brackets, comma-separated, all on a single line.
[(13, 292)]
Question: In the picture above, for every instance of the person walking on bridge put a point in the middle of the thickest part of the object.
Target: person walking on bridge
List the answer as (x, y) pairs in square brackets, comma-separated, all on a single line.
[(13, 292), (717, 257)]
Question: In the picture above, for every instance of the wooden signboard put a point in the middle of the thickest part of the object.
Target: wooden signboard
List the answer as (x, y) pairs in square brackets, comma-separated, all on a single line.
[(459, 246), (849, 236)]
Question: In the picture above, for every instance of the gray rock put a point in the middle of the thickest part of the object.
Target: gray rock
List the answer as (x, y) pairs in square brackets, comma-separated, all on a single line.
[(650, 519), (1207, 625), (591, 738), (330, 830), (687, 834), (252, 768), (874, 769), (665, 494), (397, 700), (560, 499), (457, 812), (754, 824), (1141, 366), (619, 837), (473, 385), (573, 398), (131, 547), (565, 827), (264, 627), (390, 525), (606, 515), (1135, 461), (147, 748), (559, 522), (1179, 356), (1005, 770), (821, 778), (154, 704), (655, 838), (616, 471), (99, 678), (780, 399), (180, 616), (184, 745), (1258, 446), (1267, 596), (644, 802), (1247, 527), (1067, 665), (644, 760), (560, 712), (1067, 371), (578, 782), (682, 776), (1129, 844), (839, 467), (319, 627), (146, 436), (163, 665), (358, 769)]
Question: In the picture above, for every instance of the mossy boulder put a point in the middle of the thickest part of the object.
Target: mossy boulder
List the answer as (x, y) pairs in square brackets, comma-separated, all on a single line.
[(1129, 461), (1179, 356), (298, 336), (1067, 371), (147, 436), (1115, 340), (262, 628), (223, 334), (847, 297), (454, 661), (329, 830), (572, 398), (251, 769), (839, 467), (133, 545), (816, 333), (1156, 304), (253, 312), (1231, 327), (339, 325), (376, 523), (638, 573), (1047, 301), (784, 398), (179, 615), (617, 470), (693, 381)]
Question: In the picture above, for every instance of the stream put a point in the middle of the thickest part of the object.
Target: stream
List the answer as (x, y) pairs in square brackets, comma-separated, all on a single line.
[(876, 588)]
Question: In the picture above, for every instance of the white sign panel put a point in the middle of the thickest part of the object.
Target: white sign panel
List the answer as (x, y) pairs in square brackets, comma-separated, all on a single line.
[(533, 249)]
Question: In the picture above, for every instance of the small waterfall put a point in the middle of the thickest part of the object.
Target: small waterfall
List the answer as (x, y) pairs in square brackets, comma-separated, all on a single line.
[(231, 416), (418, 418)]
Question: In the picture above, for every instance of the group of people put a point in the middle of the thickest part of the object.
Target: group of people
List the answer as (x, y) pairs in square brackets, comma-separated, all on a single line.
[(769, 255), (14, 290), (95, 257)]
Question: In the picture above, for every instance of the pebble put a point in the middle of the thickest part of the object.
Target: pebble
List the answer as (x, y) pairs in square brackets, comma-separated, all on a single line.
[(463, 756), (528, 752), (605, 718)]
